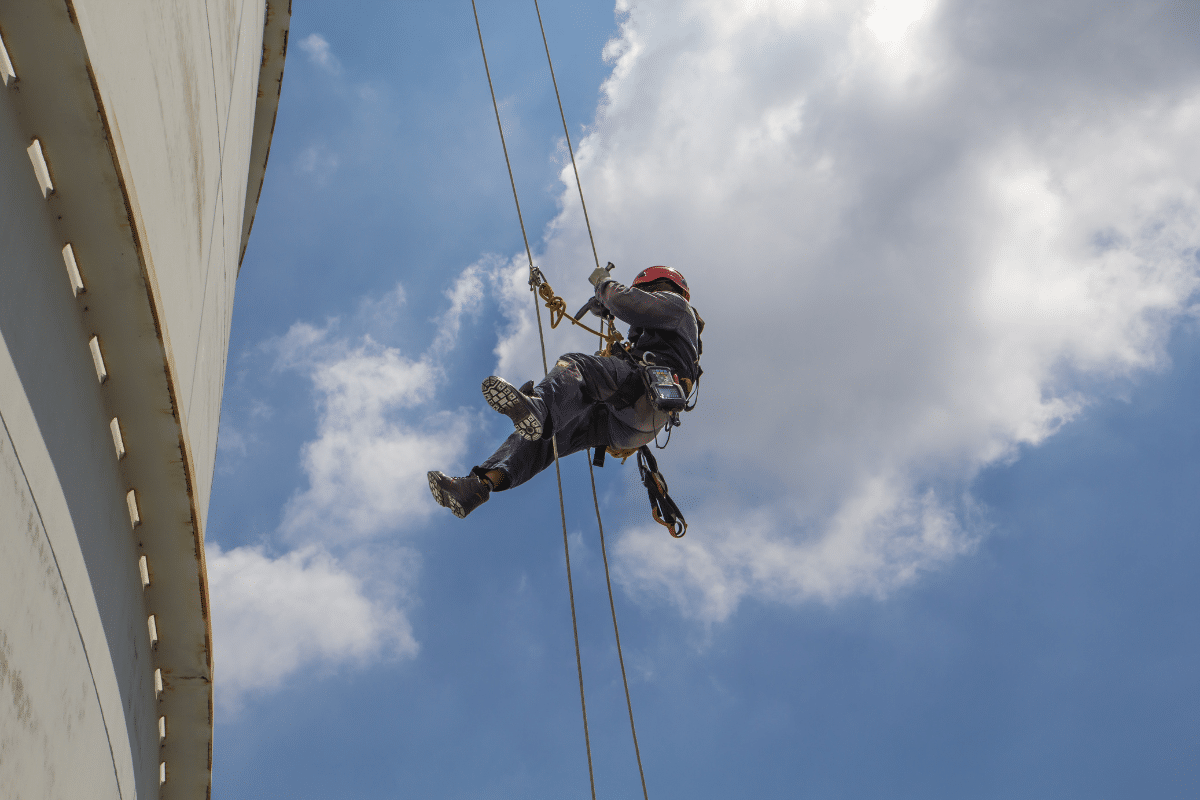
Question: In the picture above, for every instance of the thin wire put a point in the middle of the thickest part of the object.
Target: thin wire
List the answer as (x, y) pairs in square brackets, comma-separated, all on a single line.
[(554, 440), (570, 149), (591, 472)]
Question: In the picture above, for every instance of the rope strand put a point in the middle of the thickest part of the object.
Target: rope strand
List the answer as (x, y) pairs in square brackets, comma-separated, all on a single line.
[(554, 440), (616, 630), (503, 145), (591, 472), (536, 282), (570, 149)]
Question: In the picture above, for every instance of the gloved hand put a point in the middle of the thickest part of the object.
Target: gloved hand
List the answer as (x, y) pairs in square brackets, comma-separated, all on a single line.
[(594, 306), (600, 274)]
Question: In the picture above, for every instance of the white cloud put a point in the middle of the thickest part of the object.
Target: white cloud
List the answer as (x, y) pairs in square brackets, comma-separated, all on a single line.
[(466, 299), (377, 433), (232, 442), (319, 162), (890, 19), (366, 467), (319, 52), (911, 264), (274, 616), (883, 537), (339, 595)]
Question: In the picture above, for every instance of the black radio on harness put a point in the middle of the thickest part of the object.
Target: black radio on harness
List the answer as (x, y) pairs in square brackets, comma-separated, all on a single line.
[(663, 388)]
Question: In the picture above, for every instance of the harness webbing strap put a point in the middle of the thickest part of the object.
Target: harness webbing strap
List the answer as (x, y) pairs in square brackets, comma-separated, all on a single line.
[(662, 507)]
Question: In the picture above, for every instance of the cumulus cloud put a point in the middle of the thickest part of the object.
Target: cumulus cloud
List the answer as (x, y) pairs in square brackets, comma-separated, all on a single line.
[(317, 48), (923, 235), (333, 587), (890, 20), (365, 468), (319, 163), (274, 616), (466, 299)]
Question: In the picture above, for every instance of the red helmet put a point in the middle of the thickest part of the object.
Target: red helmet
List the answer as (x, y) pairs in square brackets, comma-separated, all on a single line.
[(651, 274)]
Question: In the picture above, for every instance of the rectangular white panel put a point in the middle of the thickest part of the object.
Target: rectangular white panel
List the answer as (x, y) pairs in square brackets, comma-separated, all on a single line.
[(8, 75), (73, 270), (114, 427), (135, 517), (98, 359), (40, 167)]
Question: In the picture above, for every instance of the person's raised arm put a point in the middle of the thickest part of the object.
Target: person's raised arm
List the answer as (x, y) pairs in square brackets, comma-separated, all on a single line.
[(639, 308)]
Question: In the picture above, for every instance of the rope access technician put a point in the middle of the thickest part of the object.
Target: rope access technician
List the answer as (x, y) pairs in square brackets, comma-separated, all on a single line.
[(591, 400)]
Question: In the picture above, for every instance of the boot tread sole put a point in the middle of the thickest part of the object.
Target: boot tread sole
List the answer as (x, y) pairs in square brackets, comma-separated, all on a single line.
[(505, 398)]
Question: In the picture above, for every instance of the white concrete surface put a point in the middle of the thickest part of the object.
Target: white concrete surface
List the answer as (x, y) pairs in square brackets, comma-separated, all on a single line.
[(179, 82), (56, 712), (63, 688), (121, 234)]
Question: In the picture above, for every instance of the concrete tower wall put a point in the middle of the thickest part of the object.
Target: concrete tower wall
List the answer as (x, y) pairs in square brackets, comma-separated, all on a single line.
[(180, 87), (129, 133)]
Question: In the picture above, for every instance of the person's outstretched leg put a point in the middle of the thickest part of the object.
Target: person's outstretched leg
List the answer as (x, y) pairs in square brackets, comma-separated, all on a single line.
[(553, 405), (566, 404), (460, 495), (516, 461), (527, 412)]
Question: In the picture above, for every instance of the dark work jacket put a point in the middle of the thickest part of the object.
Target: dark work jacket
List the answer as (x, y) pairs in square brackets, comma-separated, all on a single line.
[(662, 323)]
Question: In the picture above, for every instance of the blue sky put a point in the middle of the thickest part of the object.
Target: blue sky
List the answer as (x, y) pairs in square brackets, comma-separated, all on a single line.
[(943, 536)]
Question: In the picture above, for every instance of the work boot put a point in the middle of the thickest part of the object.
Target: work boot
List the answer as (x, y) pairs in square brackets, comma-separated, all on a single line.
[(460, 495), (528, 413)]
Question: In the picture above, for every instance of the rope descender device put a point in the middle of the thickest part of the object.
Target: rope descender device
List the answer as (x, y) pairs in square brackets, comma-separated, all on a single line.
[(558, 310)]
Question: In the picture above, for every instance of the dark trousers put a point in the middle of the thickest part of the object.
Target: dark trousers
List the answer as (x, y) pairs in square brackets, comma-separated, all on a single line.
[(577, 394)]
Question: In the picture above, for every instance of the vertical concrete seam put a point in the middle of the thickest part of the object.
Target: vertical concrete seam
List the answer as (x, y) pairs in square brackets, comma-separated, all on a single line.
[(219, 195)]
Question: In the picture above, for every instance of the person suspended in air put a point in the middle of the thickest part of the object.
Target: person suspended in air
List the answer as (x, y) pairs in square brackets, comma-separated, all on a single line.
[(590, 400)]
